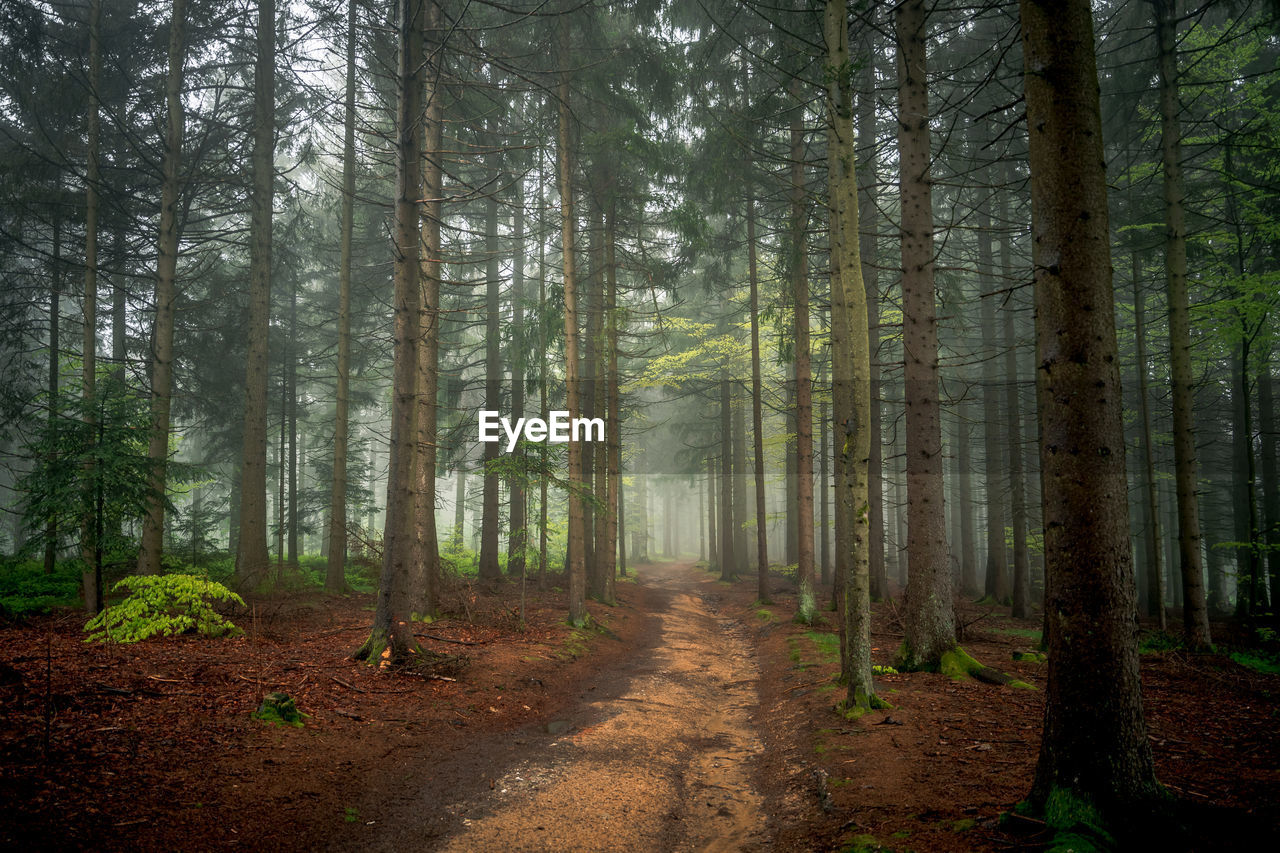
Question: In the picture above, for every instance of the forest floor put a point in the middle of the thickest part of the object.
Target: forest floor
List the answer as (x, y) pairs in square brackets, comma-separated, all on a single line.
[(692, 718)]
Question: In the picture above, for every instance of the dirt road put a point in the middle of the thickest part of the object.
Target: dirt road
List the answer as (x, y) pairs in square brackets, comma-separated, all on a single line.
[(658, 756)]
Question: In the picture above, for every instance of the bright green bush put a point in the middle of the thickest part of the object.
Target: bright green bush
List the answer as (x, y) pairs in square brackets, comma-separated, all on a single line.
[(163, 604)]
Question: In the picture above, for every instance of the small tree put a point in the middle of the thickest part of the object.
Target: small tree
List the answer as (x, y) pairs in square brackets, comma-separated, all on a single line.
[(94, 465)]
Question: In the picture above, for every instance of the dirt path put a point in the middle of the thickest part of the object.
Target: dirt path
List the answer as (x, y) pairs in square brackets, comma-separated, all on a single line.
[(658, 756)]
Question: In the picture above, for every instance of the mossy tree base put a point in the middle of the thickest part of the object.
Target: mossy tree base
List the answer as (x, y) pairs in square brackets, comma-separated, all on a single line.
[(860, 704), (959, 665)]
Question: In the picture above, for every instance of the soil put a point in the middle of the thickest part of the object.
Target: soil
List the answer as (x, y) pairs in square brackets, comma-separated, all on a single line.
[(691, 718)]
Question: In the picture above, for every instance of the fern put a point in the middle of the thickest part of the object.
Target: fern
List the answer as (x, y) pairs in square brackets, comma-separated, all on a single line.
[(164, 604)]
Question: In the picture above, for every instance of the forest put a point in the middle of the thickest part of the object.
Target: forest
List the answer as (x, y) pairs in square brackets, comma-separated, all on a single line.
[(639, 424)]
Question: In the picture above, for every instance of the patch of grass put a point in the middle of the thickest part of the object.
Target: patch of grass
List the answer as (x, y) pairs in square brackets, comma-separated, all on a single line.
[(351, 814), (828, 645), (764, 614), (1159, 641), (862, 843), (1258, 662), (964, 824)]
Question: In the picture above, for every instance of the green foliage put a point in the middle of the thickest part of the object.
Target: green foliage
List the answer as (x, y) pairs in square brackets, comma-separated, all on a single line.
[(26, 589), (1268, 664), (91, 462), (163, 604), (1159, 641), (877, 669), (279, 709)]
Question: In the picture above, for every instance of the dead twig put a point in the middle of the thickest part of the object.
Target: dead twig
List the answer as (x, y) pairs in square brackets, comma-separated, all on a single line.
[(348, 685), (447, 640)]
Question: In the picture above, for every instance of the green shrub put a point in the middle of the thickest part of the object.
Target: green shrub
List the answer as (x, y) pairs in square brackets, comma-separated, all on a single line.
[(26, 589), (163, 604)]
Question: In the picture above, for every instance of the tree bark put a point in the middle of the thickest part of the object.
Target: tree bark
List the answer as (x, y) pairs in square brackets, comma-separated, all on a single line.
[(1195, 613), (391, 640), (1094, 751), (89, 523), (852, 371), (251, 557), (1150, 506), (728, 559), (335, 574), (489, 568), (1270, 471), (928, 621), (757, 418), (997, 555), (152, 543), (1013, 410), (577, 568), (426, 582), (517, 536), (806, 601)]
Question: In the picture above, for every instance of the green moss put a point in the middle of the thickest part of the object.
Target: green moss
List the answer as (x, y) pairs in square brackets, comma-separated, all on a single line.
[(828, 645), (827, 688), (861, 705), (764, 615), (958, 665), (1159, 641), (1077, 824), (964, 824), (862, 843), (1263, 663), (1022, 685), (279, 709), (1030, 657)]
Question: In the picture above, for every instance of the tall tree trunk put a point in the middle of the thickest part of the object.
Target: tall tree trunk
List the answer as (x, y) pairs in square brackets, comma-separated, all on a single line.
[(824, 495), (489, 568), (152, 544), (517, 537), (867, 250), (1150, 506), (964, 495), (728, 559), (798, 264), (577, 522), (1270, 471), (51, 532), (542, 378), (291, 414), (391, 638), (757, 418), (335, 574), (1094, 750), (997, 554), (928, 622), (607, 552), (852, 371), (251, 558), (90, 522), (1195, 613), (713, 504), (740, 483), (1013, 410), (1248, 562)]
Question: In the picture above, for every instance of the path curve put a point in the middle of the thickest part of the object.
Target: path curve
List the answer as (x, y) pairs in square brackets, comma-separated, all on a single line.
[(664, 759)]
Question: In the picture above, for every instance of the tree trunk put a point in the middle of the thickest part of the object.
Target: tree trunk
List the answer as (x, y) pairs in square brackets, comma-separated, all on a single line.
[(489, 568), (851, 338), (928, 620), (391, 639), (517, 537), (1013, 409), (607, 552), (152, 544), (426, 581), (964, 495), (867, 250), (713, 504), (90, 548), (577, 523), (251, 558), (757, 418), (1094, 751), (728, 559), (1195, 614), (798, 264), (1270, 471), (824, 503), (740, 484), (54, 375), (1150, 506), (1248, 562), (997, 554), (335, 574)]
